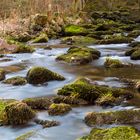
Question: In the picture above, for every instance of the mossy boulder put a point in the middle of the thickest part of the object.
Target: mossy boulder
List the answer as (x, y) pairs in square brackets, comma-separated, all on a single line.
[(16, 81), (83, 89), (117, 117), (115, 133), (136, 55), (69, 100), (79, 55), (135, 44), (38, 103), (107, 100), (2, 74), (20, 47), (59, 109), (134, 33), (77, 40), (75, 30), (17, 113), (3, 104), (43, 38), (115, 39), (113, 63), (41, 75)]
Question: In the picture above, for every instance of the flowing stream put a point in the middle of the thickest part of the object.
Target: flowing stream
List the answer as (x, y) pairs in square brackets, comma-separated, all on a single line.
[(72, 125)]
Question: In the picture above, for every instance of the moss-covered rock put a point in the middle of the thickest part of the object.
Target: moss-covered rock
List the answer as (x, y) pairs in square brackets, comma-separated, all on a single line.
[(46, 123), (16, 81), (2, 74), (75, 30), (115, 133), (113, 63), (59, 109), (83, 89), (115, 39), (69, 100), (43, 38), (17, 113), (134, 44), (38, 103), (78, 40), (135, 55), (134, 33), (3, 104), (79, 55), (40, 75), (20, 47), (107, 100), (117, 117)]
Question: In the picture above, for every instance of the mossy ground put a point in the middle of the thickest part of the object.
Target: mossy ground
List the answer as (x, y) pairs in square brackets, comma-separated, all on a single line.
[(115, 133), (16, 81), (43, 38)]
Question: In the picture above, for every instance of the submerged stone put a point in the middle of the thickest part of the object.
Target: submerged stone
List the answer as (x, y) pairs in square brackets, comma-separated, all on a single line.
[(26, 135), (117, 117), (115, 133), (79, 55), (41, 75), (16, 81), (59, 109), (47, 123)]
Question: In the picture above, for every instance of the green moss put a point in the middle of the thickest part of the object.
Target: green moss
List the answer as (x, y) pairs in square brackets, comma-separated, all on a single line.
[(79, 55), (38, 103), (17, 113), (20, 47), (43, 38), (82, 89), (77, 40), (59, 109), (115, 133), (75, 30), (117, 117), (40, 75), (115, 39), (106, 100), (26, 136), (113, 63), (16, 81)]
